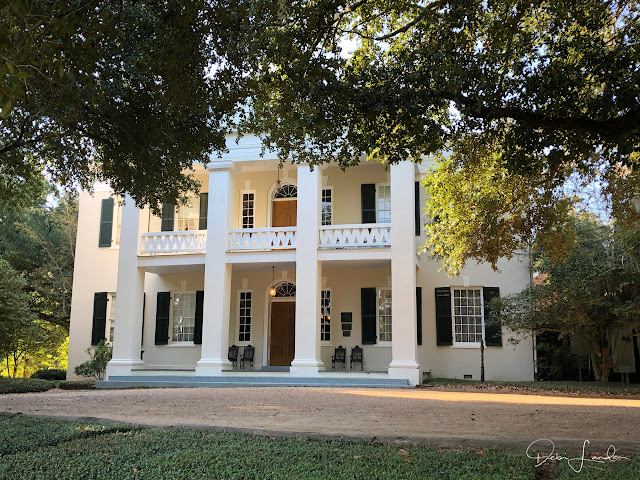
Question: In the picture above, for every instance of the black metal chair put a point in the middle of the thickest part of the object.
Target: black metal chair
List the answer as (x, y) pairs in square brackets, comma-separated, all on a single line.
[(233, 355), (356, 356), (247, 356), (338, 356)]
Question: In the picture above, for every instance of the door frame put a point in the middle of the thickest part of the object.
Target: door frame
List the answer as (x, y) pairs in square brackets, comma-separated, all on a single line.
[(279, 300), (272, 192), (266, 358)]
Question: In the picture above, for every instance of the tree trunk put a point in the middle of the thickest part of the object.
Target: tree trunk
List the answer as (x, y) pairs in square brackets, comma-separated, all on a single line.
[(601, 365)]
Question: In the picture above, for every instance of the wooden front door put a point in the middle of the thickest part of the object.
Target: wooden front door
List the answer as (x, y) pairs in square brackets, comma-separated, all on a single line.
[(285, 213), (283, 332)]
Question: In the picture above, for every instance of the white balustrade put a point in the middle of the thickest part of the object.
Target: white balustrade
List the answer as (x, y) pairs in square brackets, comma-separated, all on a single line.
[(276, 238), (173, 242), (362, 235)]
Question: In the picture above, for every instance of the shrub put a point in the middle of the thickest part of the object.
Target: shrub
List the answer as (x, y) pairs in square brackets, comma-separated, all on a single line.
[(50, 374), (97, 365), (77, 385), (25, 385)]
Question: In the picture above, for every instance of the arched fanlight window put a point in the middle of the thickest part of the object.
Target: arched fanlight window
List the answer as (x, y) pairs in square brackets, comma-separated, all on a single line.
[(285, 290), (286, 191)]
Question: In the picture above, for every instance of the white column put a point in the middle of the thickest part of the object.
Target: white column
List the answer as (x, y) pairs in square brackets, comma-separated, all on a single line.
[(307, 359), (217, 274), (403, 274), (127, 335)]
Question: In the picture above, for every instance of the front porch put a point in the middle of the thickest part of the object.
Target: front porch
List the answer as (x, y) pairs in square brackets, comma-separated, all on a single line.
[(244, 378)]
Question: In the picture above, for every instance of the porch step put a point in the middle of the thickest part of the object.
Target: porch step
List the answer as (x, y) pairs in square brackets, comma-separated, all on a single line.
[(176, 381)]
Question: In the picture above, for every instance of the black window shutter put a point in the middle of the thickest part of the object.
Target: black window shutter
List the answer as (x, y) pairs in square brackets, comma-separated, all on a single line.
[(444, 321), (419, 314), (168, 212), (368, 198), (418, 226), (162, 318), (368, 311), (197, 332), (492, 331), (99, 317), (204, 208), (106, 223)]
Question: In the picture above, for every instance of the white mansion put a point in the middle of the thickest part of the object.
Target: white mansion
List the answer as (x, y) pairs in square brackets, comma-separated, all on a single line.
[(293, 262)]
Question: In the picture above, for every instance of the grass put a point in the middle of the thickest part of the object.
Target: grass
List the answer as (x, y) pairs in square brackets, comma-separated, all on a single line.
[(39, 448), (610, 388), (28, 385)]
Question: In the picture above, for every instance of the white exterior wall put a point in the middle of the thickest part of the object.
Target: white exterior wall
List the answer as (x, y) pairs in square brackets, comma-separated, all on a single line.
[(96, 271)]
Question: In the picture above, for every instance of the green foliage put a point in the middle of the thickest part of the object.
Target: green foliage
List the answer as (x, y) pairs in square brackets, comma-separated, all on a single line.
[(25, 385), (39, 242), (97, 365), (76, 385), (555, 81), (25, 433), (57, 450), (128, 92), (482, 211), (556, 361), (50, 374), (592, 295)]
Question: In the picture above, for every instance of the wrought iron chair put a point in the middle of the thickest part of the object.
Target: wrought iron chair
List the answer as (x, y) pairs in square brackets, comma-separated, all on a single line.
[(339, 356), (233, 355), (356, 356), (247, 356)]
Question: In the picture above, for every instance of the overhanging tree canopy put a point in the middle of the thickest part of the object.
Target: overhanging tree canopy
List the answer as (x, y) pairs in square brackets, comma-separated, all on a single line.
[(555, 81)]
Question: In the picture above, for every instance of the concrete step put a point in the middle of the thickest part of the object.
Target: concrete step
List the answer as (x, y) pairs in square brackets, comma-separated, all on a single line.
[(175, 381)]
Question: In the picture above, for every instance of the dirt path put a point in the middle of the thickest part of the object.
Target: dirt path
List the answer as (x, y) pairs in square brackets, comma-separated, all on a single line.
[(448, 418)]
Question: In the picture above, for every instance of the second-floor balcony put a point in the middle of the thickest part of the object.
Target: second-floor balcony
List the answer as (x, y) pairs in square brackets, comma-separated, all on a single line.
[(276, 238), (159, 243), (355, 236)]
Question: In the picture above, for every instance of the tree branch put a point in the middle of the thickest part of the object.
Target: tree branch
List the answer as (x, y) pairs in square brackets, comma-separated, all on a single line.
[(607, 129)]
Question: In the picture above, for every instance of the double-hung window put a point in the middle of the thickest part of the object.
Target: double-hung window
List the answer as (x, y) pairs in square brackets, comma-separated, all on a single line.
[(384, 315), (327, 204), (468, 315), (245, 308), (189, 215), (383, 203), (247, 210), (325, 316), (183, 317), (112, 316)]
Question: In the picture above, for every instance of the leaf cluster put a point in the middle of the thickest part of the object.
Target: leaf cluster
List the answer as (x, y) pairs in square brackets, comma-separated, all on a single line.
[(96, 366)]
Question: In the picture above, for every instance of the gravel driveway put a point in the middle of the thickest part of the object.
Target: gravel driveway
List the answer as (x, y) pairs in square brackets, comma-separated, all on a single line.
[(447, 418)]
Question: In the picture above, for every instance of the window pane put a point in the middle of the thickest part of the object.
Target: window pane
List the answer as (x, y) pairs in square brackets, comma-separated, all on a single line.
[(384, 315), (247, 210), (184, 317), (112, 316), (244, 317), (189, 215), (468, 315), (325, 316), (326, 207)]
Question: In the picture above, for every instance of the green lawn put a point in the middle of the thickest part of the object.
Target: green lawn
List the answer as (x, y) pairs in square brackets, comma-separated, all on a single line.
[(611, 388), (38, 448)]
